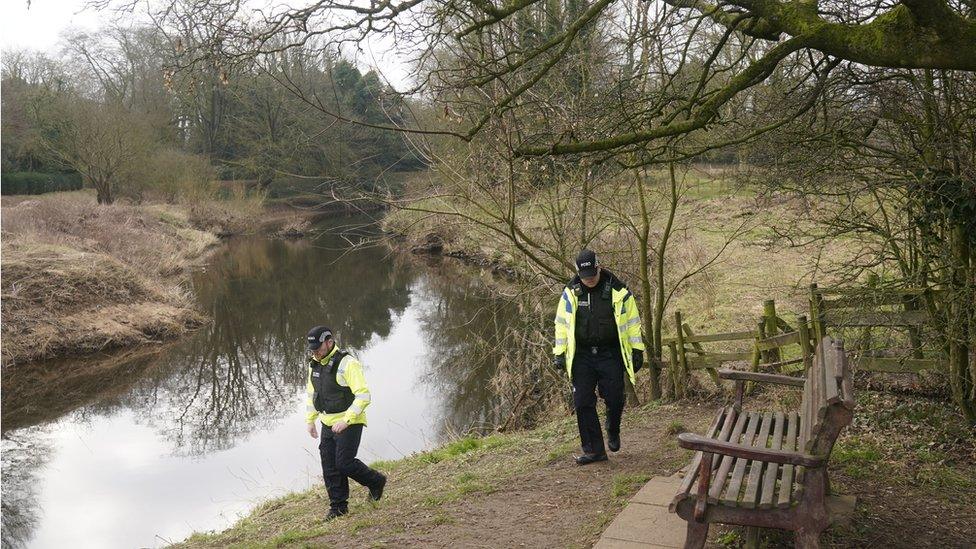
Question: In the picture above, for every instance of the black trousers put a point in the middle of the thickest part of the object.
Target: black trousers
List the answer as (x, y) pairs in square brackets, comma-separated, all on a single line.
[(339, 464), (597, 368)]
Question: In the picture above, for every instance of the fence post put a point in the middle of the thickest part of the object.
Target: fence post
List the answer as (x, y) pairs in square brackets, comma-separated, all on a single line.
[(816, 312), (676, 383), (872, 283), (769, 318), (805, 348), (680, 337)]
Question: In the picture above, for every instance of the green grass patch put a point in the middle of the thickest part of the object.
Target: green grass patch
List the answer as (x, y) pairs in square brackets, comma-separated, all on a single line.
[(857, 456), (470, 483), (561, 451), (729, 539), (627, 484), (463, 446), (443, 518), (944, 477), (675, 427), (293, 536)]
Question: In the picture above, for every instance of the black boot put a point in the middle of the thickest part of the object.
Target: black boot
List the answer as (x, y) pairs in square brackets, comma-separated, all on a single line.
[(376, 492), (613, 441), (335, 513), (587, 459)]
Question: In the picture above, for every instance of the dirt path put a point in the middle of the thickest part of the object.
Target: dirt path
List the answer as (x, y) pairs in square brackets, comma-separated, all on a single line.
[(561, 504)]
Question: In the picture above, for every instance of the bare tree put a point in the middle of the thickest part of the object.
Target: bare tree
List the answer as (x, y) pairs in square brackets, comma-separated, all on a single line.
[(104, 143)]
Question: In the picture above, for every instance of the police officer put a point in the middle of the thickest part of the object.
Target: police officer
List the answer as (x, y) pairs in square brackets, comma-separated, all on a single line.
[(598, 340), (337, 397)]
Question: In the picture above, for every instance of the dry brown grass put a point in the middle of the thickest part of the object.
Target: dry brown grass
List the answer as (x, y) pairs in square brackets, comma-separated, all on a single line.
[(79, 277)]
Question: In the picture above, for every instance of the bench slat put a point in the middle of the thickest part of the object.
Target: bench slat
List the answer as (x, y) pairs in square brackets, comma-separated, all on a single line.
[(786, 483), (772, 469), (731, 495), (722, 473), (831, 375), (804, 412), (692, 474), (756, 467)]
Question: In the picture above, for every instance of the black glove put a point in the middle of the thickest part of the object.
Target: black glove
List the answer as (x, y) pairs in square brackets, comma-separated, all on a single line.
[(559, 363), (638, 357)]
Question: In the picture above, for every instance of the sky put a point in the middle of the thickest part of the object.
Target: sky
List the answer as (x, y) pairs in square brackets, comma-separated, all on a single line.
[(38, 25)]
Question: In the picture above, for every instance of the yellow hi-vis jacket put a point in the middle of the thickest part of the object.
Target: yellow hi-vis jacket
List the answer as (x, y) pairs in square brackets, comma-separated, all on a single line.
[(349, 374), (625, 313)]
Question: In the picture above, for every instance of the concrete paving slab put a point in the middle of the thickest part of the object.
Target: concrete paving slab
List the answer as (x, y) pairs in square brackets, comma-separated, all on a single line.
[(648, 524), (658, 491), (610, 543)]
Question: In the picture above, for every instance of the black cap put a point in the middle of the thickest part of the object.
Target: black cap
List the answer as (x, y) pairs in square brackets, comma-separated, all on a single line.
[(317, 336), (586, 263)]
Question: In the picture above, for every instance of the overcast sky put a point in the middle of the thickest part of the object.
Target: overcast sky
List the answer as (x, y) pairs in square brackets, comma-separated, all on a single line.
[(40, 25)]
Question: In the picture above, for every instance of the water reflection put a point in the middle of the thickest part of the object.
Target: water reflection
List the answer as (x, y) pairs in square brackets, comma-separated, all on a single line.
[(166, 440), (242, 372)]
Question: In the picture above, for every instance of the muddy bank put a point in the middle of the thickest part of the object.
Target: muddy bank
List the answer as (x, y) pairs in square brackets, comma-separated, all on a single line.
[(80, 278)]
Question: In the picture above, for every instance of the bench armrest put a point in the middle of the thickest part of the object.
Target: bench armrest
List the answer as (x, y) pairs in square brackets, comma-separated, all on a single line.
[(710, 445), (761, 377)]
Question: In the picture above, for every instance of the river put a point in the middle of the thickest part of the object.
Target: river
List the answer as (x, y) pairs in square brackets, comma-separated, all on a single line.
[(143, 448)]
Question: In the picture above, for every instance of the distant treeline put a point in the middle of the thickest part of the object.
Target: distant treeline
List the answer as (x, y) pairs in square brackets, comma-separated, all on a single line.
[(118, 109), (38, 182)]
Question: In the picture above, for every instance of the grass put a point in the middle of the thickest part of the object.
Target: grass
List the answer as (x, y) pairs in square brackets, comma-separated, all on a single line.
[(81, 277), (857, 457), (624, 485), (675, 427), (473, 466)]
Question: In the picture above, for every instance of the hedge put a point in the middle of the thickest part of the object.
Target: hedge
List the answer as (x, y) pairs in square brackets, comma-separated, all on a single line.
[(38, 182)]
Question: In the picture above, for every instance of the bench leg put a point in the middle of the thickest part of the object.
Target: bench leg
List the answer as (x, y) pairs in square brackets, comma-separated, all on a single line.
[(697, 534), (752, 538), (807, 539)]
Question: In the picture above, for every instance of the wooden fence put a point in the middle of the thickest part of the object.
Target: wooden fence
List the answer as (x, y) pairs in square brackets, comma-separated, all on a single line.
[(870, 308), (762, 347), (765, 347)]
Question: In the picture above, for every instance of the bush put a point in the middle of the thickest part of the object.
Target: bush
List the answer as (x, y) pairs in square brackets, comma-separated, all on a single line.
[(175, 176), (38, 182)]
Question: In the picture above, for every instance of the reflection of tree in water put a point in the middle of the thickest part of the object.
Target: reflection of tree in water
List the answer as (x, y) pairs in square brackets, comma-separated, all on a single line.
[(243, 371), (473, 337), (24, 453)]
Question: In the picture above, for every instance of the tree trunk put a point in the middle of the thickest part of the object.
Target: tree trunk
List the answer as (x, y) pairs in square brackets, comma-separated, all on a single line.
[(959, 322), (653, 353), (103, 192)]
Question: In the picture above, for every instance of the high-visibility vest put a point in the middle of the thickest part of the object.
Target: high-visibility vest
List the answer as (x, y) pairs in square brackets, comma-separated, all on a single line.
[(625, 314), (348, 376)]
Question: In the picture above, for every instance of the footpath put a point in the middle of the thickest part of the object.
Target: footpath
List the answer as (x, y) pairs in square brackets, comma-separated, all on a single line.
[(646, 517)]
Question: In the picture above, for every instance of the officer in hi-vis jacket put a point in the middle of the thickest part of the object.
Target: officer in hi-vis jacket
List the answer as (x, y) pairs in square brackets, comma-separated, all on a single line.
[(337, 397), (598, 340)]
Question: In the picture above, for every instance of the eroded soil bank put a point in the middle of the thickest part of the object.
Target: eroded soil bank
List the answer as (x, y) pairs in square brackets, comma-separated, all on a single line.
[(79, 277)]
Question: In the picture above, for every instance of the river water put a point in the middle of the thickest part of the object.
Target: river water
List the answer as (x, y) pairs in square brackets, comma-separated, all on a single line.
[(142, 449)]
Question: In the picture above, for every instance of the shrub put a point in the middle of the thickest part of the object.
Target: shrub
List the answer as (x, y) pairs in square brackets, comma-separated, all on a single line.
[(38, 182), (176, 176)]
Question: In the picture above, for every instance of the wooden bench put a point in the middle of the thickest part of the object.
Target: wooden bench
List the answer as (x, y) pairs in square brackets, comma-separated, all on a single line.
[(769, 469)]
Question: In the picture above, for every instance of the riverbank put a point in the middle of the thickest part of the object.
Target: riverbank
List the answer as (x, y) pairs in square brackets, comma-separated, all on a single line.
[(79, 277), (908, 461)]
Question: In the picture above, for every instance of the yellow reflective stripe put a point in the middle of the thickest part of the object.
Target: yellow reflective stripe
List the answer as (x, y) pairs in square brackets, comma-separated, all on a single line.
[(362, 396), (561, 341), (636, 339), (563, 321)]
